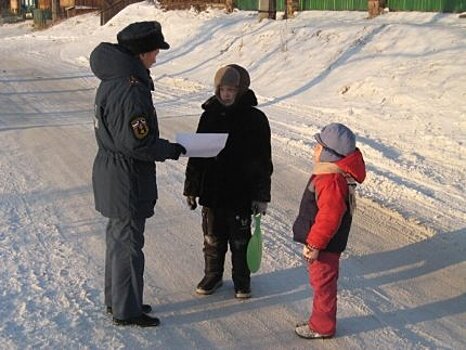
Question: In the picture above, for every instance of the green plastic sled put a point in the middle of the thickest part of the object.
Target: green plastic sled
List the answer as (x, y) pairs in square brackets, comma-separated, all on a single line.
[(254, 252)]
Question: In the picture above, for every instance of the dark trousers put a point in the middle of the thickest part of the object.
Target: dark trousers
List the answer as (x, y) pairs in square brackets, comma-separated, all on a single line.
[(124, 267), (220, 227)]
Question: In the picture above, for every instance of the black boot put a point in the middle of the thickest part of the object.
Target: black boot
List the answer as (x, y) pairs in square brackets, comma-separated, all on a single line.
[(243, 293), (214, 256), (209, 284), (215, 249), (240, 272), (146, 309), (242, 286), (141, 321)]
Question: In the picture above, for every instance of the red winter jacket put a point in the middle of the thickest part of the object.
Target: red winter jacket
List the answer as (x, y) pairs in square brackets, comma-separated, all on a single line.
[(331, 188)]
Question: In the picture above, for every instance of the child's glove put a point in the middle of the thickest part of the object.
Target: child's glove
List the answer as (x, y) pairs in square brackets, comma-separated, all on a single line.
[(191, 200), (259, 207)]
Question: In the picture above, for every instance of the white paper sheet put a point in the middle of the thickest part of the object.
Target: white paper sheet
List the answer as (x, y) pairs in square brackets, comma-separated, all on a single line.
[(202, 145)]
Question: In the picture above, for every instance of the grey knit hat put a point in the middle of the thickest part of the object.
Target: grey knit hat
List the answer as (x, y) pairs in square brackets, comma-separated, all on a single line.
[(338, 141)]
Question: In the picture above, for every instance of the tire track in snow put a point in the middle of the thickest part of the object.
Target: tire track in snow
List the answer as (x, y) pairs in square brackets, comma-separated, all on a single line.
[(45, 285), (281, 253), (405, 187), (280, 256)]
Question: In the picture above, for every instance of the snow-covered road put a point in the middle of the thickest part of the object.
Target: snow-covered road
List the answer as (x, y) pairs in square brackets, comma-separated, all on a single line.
[(401, 286)]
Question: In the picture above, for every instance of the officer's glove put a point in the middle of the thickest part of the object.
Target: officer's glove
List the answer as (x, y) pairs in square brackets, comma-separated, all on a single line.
[(176, 150), (259, 207), (191, 200)]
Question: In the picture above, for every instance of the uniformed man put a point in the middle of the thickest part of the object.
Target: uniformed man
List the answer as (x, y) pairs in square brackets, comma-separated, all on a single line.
[(123, 174)]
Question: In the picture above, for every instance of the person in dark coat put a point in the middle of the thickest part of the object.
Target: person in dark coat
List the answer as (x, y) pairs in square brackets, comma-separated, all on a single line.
[(324, 222), (234, 184), (123, 174)]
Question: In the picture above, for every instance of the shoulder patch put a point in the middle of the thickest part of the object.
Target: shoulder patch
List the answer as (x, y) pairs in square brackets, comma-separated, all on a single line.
[(140, 127)]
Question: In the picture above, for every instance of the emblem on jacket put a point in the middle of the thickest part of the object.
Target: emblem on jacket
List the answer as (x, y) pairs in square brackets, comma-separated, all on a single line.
[(140, 127)]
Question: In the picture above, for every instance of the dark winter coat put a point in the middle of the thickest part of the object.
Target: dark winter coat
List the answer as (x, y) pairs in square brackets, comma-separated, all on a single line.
[(127, 134), (325, 215), (242, 171)]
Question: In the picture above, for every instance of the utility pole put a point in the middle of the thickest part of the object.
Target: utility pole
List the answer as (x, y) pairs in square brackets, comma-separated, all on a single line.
[(272, 9), (291, 6), (267, 9), (229, 6), (375, 7), (55, 7)]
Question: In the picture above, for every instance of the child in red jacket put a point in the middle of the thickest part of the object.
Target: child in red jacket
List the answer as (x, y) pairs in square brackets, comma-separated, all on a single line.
[(324, 222)]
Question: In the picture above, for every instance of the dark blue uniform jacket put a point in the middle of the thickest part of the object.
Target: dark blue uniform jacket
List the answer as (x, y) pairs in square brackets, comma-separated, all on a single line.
[(127, 134)]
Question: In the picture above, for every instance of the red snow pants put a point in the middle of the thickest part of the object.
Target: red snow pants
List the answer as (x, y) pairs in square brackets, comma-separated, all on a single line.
[(323, 275)]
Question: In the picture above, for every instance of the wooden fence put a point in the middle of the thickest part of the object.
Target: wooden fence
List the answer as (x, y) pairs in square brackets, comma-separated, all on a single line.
[(199, 5), (110, 8), (362, 5)]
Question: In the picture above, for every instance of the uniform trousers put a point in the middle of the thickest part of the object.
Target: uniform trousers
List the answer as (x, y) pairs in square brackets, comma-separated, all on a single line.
[(124, 267)]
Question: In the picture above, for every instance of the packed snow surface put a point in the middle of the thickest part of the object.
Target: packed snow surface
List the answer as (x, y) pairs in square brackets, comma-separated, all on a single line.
[(398, 80)]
